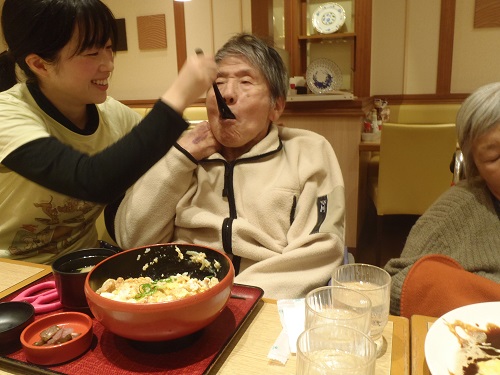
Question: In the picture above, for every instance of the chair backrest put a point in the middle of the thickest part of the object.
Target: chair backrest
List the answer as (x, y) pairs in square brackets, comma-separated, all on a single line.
[(195, 113), (424, 113), (414, 167)]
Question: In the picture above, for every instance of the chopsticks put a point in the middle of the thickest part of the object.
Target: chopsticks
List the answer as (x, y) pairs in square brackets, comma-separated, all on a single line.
[(221, 103)]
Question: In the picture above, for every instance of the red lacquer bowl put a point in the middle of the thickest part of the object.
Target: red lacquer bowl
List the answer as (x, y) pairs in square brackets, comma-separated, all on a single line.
[(166, 320), (59, 353)]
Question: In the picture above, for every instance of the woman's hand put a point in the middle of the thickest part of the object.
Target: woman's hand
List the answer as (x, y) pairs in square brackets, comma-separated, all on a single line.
[(199, 141), (195, 77)]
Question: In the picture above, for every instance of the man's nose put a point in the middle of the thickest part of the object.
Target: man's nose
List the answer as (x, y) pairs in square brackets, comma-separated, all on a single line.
[(229, 92)]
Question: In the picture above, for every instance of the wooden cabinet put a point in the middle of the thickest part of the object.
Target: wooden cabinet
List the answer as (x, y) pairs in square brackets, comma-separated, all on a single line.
[(349, 47)]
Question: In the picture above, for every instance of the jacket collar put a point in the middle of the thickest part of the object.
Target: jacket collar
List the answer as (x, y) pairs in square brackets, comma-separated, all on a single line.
[(267, 146)]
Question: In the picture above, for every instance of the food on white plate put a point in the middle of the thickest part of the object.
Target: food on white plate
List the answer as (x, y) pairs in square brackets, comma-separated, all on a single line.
[(479, 348), (56, 335)]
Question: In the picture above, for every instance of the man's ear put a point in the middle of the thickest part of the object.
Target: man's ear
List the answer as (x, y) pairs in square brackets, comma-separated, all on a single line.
[(278, 109), (37, 64)]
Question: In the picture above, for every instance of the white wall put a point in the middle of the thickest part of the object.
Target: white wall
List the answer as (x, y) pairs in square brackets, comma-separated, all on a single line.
[(422, 41), (476, 52), (404, 45), (146, 74), (143, 74), (405, 42), (209, 24), (388, 46)]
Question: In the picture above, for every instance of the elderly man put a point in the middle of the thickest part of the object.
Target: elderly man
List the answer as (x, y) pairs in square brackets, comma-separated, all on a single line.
[(270, 196)]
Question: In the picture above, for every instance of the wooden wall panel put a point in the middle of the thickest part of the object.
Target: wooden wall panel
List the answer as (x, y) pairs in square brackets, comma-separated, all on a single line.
[(152, 32), (487, 13), (445, 53), (180, 33)]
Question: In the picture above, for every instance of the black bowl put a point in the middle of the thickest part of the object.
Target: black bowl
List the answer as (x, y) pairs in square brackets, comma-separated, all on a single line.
[(70, 278), (15, 316)]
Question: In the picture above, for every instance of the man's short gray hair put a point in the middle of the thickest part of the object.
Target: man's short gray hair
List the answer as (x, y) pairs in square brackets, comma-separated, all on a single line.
[(262, 57)]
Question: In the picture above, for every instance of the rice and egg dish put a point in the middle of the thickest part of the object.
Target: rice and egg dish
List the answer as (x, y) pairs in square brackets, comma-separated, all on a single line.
[(144, 289)]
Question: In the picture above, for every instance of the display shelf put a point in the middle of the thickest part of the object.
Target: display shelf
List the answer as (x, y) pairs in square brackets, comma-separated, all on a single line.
[(323, 37), (349, 47), (337, 95)]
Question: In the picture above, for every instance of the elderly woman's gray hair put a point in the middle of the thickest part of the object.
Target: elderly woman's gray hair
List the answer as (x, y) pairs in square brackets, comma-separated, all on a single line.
[(479, 113), (262, 57)]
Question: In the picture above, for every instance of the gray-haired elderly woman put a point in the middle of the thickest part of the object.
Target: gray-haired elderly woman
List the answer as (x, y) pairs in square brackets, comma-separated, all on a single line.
[(451, 257), (272, 197)]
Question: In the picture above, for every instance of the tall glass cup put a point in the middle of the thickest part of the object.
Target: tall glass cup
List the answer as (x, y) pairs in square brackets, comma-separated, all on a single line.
[(376, 284), (331, 349), (338, 305)]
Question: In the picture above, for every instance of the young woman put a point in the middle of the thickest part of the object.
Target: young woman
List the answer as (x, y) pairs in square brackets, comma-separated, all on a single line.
[(66, 149)]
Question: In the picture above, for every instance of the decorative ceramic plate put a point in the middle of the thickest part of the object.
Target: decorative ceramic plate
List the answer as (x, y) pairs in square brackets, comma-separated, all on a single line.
[(443, 351), (323, 76), (328, 18)]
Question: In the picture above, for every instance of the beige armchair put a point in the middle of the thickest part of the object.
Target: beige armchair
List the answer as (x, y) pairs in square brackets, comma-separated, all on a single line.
[(413, 171)]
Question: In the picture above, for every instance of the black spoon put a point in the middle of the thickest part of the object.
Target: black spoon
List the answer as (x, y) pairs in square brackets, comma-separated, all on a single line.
[(224, 110)]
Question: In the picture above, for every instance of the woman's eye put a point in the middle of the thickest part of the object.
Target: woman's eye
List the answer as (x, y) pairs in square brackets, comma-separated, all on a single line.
[(92, 53)]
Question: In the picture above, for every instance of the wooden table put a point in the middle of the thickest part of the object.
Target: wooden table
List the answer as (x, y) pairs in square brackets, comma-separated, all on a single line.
[(375, 146), (369, 146), (419, 327), (17, 274), (247, 352)]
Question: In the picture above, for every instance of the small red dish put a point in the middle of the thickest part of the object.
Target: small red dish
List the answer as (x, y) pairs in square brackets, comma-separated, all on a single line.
[(58, 353)]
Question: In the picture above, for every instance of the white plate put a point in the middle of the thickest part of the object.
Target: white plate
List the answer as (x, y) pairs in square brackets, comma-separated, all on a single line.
[(328, 18), (442, 347), (323, 76)]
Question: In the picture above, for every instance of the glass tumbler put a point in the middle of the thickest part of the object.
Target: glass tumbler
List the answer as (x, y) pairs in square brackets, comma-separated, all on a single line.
[(376, 284), (338, 305), (335, 350)]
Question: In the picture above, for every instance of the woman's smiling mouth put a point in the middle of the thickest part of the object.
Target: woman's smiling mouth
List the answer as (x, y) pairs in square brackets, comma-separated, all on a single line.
[(100, 82)]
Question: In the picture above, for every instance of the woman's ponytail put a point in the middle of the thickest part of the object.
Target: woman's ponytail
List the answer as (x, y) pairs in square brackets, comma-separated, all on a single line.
[(7, 71)]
